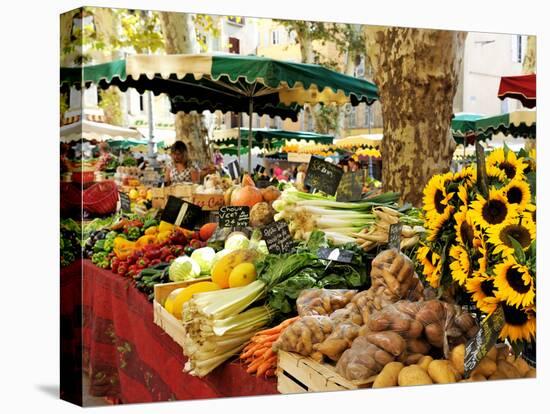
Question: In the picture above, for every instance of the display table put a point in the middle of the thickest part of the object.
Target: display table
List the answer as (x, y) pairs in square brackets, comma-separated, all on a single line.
[(128, 357)]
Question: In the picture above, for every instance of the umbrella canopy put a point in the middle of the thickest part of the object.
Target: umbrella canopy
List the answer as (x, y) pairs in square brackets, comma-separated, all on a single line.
[(211, 82), (472, 127), (273, 137), (98, 131), (523, 88), (127, 143), (365, 140)]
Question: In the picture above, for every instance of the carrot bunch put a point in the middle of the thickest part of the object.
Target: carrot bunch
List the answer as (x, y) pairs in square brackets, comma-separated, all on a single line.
[(258, 355)]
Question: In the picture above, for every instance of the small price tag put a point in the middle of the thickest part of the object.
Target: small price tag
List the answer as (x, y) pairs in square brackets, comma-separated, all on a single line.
[(181, 213), (485, 339), (323, 176), (394, 236), (125, 204), (336, 255), (278, 238), (234, 216), (350, 187)]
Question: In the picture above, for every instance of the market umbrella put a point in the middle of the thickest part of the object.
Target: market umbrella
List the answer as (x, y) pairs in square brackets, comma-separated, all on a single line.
[(98, 131), (275, 137), (523, 88), (520, 124), (365, 140), (243, 83)]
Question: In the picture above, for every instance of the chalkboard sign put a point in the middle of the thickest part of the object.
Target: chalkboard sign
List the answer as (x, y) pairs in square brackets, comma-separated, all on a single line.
[(263, 182), (234, 216), (234, 169), (350, 187), (530, 353), (485, 339), (323, 176), (277, 237), (336, 255), (124, 202), (394, 236), (181, 213)]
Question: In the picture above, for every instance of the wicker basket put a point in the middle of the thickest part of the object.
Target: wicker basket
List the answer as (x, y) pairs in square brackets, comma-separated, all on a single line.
[(70, 196), (101, 198)]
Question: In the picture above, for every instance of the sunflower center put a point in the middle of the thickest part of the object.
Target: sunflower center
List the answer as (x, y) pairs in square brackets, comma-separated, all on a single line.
[(467, 233), (429, 256), (518, 233), (494, 211), (487, 287), (438, 198), (513, 315), (509, 169), (515, 280), (514, 195)]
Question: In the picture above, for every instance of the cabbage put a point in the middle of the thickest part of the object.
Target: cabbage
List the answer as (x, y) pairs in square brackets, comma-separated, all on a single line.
[(183, 268), (204, 257), (262, 247), (236, 240)]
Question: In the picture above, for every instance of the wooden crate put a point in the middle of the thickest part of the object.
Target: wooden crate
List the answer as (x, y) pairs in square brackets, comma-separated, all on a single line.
[(161, 317), (296, 374), (180, 190), (208, 202)]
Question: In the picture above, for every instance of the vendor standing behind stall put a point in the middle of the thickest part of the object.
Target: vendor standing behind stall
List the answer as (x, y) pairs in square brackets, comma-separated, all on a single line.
[(179, 170), (105, 157)]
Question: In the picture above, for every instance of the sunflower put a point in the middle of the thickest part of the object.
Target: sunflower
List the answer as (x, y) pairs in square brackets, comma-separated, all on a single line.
[(519, 323), (431, 261), (482, 288), (522, 229), (517, 192), (531, 212), (438, 224), (514, 284), (493, 210), (508, 162), (467, 175), (495, 176), (461, 269), (436, 199), (465, 227)]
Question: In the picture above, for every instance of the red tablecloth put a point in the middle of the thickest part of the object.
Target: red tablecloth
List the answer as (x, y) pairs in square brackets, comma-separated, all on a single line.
[(127, 356)]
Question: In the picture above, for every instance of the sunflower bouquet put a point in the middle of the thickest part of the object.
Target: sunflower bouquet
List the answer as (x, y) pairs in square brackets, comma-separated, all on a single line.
[(482, 247)]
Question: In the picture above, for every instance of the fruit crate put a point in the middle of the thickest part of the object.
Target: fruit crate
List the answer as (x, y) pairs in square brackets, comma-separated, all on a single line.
[(297, 374), (164, 319)]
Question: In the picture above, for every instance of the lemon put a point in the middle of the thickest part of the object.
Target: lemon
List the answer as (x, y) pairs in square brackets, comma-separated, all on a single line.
[(242, 275), (133, 194)]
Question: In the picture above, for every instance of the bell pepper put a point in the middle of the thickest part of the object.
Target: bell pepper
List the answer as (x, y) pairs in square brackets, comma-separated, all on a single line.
[(123, 248), (153, 230), (165, 226), (163, 236), (145, 240)]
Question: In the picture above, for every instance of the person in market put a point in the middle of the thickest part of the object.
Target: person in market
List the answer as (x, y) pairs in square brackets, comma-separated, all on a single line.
[(217, 159), (277, 171), (64, 160), (352, 165), (178, 169), (105, 156)]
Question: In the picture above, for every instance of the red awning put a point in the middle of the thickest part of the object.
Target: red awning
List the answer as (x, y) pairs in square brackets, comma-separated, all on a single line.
[(522, 87)]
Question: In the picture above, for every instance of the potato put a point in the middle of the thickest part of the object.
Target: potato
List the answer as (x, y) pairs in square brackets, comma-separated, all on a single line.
[(413, 375), (464, 321), (486, 367), (377, 324), (418, 346), (492, 354), (388, 376), (415, 330), (477, 377), (424, 362), (434, 333), (498, 375), (399, 324), (502, 352), (440, 371), (382, 357), (522, 366), (457, 358), (532, 373), (412, 359), (388, 341), (508, 369)]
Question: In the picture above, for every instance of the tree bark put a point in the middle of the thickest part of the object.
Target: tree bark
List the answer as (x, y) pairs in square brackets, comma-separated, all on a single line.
[(180, 37), (417, 72)]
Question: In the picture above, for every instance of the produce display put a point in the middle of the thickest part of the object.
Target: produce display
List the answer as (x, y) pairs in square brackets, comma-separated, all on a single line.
[(379, 315)]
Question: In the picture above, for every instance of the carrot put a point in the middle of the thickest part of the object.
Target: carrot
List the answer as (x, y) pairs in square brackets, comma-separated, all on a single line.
[(254, 366), (270, 338), (268, 353), (251, 350), (263, 368), (270, 372), (271, 331), (260, 351)]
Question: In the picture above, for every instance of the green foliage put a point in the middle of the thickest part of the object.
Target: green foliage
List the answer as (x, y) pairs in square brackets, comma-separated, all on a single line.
[(63, 104), (138, 29), (110, 103), (83, 40), (205, 25), (326, 119)]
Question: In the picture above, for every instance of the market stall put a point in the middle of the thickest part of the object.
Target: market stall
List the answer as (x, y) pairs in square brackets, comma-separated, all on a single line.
[(522, 88)]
